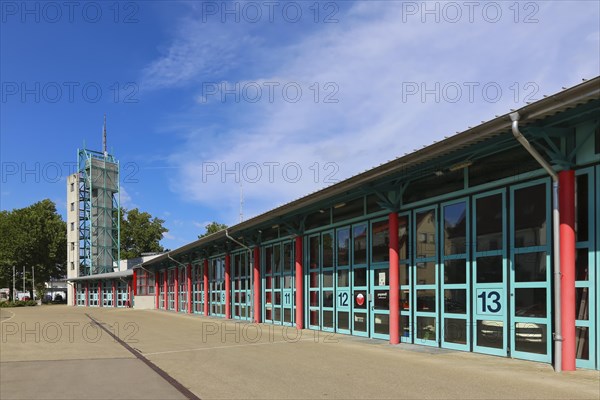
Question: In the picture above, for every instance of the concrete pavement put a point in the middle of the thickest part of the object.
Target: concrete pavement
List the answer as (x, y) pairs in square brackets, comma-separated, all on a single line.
[(214, 358)]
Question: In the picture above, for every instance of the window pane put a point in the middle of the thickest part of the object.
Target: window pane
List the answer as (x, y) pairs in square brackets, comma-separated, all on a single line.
[(381, 277), (287, 257), (581, 265), (327, 250), (380, 240), (360, 301), (328, 279), (403, 237), (328, 298), (530, 216), (314, 280), (426, 300), (530, 302), (426, 234), (268, 260), (381, 300), (276, 259), (582, 209), (360, 322), (405, 300), (404, 274), (582, 346), (360, 244), (382, 324), (360, 277), (426, 328), (489, 223), (343, 278), (490, 334), (455, 301), (425, 273), (530, 267), (343, 244), (314, 252), (343, 320), (455, 330), (531, 337), (489, 269), (582, 300), (455, 229), (455, 271)]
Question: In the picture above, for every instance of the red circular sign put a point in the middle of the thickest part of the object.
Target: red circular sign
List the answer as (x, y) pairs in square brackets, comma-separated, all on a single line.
[(360, 299)]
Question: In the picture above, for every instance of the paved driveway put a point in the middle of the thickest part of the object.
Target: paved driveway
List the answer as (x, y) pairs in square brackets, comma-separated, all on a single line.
[(53, 352)]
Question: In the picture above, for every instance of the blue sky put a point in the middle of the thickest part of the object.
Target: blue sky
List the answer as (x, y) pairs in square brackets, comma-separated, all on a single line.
[(279, 99)]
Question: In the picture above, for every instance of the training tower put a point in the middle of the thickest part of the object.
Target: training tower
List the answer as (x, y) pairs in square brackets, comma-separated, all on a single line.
[(93, 214)]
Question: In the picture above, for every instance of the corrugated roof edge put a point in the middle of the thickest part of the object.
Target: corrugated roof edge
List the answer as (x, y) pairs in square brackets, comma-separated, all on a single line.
[(568, 98)]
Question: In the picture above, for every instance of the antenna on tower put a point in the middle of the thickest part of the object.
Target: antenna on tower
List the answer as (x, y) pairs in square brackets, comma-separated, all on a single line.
[(241, 202), (104, 138)]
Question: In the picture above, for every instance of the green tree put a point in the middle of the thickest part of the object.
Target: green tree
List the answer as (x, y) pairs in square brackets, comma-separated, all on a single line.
[(211, 228), (33, 237), (140, 233)]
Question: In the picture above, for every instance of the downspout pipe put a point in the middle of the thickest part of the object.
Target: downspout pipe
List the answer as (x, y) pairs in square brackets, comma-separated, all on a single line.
[(558, 339), (172, 259), (250, 261)]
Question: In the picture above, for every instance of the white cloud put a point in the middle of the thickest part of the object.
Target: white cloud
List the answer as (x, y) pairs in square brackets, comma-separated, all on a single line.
[(125, 199), (373, 58)]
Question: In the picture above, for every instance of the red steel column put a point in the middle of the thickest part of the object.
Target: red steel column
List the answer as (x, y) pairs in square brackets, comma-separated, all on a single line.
[(74, 294), (206, 291), (156, 288), (189, 288), (165, 289), (256, 271), (227, 286), (114, 293), (299, 285), (394, 280), (566, 204), (176, 288), (129, 295), (100, 294), (87, 294), (134, 282)]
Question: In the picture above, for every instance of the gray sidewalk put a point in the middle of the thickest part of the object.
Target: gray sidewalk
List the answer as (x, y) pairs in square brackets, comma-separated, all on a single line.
[(67, 356)]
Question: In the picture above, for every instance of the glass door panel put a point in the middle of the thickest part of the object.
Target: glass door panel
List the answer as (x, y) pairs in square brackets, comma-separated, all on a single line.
[(342, 290), (425, 272), (455, 276), (182, 282), (530, 272), (197, 288), (489, 275), (585, 271), (327, 282), (216, 282), (314, 279)]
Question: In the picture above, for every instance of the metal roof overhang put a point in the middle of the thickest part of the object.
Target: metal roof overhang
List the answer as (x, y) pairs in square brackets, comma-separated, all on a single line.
[(108, 275), (548, 106)]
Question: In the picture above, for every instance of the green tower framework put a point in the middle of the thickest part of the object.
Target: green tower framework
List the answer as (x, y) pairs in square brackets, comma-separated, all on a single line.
[(99, 212)]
